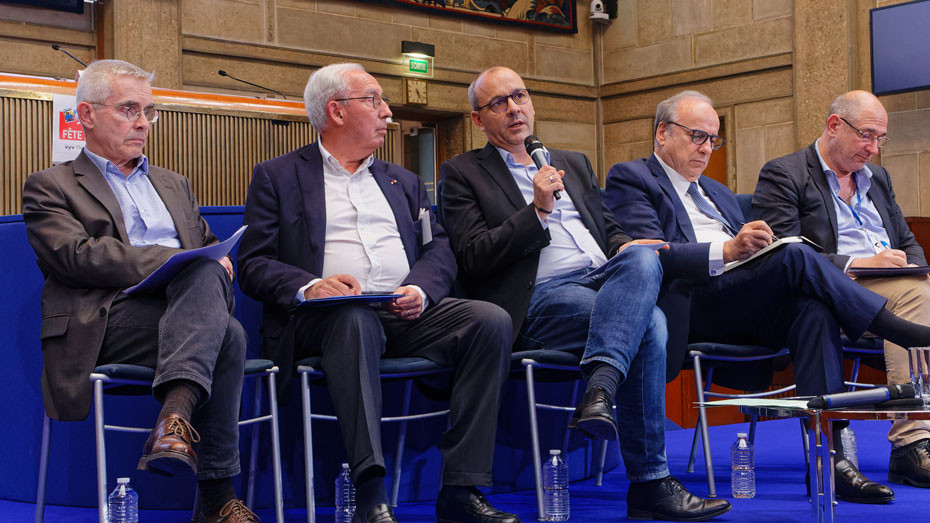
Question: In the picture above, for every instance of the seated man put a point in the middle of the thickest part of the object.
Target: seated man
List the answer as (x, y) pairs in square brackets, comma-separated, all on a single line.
[(830, 193), (520, 247), (330, 220), (789, 297), (101, 224)]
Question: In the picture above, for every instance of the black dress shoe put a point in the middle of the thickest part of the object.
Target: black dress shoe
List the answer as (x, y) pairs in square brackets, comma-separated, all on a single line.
[(468, 506), (853, 486), (594, 416), (668, 500), (910, 464), (380, 513)]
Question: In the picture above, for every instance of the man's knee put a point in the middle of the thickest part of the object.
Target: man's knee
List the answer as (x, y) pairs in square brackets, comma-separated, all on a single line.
[(236, 339), (641, 262), (355, 328)]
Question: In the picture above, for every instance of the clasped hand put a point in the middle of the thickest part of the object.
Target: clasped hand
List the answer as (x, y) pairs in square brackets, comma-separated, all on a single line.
[(407, 307)]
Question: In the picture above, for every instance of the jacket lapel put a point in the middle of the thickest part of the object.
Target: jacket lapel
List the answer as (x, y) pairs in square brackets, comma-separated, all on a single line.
[(681, 215), (308, 179), (881, 203), (815, 170), (176, 205), (726, 210), (492, 163), (93, 181), (394, 193)]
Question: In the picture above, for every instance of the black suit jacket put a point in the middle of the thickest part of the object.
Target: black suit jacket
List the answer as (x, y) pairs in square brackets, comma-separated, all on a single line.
[(497, 236), (282, 250), (794, 198)]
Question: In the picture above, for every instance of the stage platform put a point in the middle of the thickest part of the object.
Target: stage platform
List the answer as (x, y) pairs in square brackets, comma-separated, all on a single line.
[(780, 493)]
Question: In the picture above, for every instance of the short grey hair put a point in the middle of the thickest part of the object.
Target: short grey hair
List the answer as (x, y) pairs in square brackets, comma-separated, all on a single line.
[(323, 86), (667, 110), (846, 106), (95, 83), (473, 86)]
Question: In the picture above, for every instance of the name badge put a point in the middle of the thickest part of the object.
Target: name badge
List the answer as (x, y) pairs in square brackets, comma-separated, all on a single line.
[(425, 229)]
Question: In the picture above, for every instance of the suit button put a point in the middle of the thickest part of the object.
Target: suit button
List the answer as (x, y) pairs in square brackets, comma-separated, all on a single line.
[(103, 312), (529, 287)]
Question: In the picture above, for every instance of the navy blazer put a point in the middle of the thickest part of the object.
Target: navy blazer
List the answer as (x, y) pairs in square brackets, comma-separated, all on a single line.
[(793, 196), (282, 250), (647, 206)]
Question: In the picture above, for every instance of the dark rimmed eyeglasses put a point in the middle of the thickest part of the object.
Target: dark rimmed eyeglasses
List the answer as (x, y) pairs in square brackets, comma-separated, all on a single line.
[(866, 137), (698, 137), (132, 112), (375, 99), (499, 104)]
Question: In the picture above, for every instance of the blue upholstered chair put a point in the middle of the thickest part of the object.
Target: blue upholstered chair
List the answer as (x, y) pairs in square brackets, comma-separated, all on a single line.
[(391, 369)]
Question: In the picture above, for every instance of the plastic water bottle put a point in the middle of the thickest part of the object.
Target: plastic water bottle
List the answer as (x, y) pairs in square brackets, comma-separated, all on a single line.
[(848, 438), (345, 496), (555, 487), (743, 474), (123, 503)]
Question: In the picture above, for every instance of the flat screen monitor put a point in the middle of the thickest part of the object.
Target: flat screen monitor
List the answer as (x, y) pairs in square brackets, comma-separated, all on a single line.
[(900, 47)]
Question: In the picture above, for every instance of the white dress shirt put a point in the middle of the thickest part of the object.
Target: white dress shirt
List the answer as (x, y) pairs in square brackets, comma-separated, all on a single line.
[(706, 229), (362, 237)]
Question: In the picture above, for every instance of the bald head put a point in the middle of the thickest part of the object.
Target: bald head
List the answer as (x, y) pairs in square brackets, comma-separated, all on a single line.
[(852, 104), (503, 109), (856, 127), (479, 84)]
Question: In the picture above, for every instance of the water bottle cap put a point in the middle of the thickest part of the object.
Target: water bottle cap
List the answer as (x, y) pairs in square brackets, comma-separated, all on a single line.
[(345, 465), (741, 435), (122, 481), (555, 452)]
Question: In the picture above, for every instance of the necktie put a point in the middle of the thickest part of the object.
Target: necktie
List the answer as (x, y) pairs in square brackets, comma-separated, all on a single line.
[(705, 207)]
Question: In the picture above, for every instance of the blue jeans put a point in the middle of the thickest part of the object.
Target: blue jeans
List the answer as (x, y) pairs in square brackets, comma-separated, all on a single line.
[(612, 317)]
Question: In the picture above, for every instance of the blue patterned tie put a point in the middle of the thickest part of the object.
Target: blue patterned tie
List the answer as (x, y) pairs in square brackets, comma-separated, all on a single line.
[(705, 207)]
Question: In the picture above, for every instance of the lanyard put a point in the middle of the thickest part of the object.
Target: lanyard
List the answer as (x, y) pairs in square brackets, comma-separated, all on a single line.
[(876, 246)]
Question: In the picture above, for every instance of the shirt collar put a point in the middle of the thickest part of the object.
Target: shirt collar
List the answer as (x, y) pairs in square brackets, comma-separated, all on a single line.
[(334, 163), (103, 165), (680, 183), (514, 164), (865, 171)]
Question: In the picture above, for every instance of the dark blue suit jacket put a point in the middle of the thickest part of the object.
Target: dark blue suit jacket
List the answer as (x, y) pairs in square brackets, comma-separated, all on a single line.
[(282, 250), (647, 206)]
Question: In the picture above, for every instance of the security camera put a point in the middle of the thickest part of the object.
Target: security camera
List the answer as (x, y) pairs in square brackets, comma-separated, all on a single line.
[(598, 13)]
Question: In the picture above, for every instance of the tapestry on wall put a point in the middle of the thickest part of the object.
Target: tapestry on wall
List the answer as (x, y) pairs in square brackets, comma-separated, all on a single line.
[(552, 15)]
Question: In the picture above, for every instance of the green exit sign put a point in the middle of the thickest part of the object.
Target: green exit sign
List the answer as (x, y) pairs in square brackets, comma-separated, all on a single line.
[(418, 66)]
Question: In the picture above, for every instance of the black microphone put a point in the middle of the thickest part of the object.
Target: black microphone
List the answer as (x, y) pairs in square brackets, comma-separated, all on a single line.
[(538, 153), (224, 73), (863, 397), (58, 48)]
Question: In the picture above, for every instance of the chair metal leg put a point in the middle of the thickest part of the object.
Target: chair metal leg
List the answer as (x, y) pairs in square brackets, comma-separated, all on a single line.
[(308, 446), (276, 445), (566, 434), (752, 428), (101, 452), (253, 446), (854, 375), (195, 512), (534, 437), (602, 456), (705, 439), (43, 468), (805, 442), (401, 439)]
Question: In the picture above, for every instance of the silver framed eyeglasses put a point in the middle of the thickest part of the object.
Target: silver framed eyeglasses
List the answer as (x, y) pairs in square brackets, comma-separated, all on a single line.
[(499, 103), (132, 112), (375, 99), (867, 136), (698, 137)]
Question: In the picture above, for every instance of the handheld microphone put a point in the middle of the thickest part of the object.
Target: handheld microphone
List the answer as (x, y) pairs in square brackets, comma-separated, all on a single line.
[(538, 153), (227, 75), (863, 397), (58, 48)]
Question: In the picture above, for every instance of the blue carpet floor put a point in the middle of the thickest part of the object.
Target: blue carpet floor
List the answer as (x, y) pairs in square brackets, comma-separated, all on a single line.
[(780, 493)]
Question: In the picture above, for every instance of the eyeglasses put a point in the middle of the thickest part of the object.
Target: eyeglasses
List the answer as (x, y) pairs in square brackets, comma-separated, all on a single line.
[(132, 112), (698, 137), (375, 99), (499, 104), (866, 136)]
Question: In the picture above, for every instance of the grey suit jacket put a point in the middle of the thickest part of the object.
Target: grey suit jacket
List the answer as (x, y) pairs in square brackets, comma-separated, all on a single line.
[(74, 224)]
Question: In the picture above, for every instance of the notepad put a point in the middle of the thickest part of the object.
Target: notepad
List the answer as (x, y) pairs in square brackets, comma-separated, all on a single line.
[(771, 247)]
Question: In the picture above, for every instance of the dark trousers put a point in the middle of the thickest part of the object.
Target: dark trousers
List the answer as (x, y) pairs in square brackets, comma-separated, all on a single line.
[(792, 297), (472, 337), (189, 333)]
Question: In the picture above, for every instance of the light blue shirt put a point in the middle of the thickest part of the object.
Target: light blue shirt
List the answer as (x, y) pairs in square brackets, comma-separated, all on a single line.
[(144, 213), (571, 246), (859, 228)]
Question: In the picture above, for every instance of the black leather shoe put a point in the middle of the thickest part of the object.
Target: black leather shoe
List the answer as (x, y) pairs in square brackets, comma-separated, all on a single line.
[(910, 464), (853, 486), (380, 513), (594, 416), (668, 500), (470, 507)]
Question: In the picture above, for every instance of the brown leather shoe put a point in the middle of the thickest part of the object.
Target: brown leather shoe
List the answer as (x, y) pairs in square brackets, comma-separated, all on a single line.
[(169, 446), (234, 511)]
